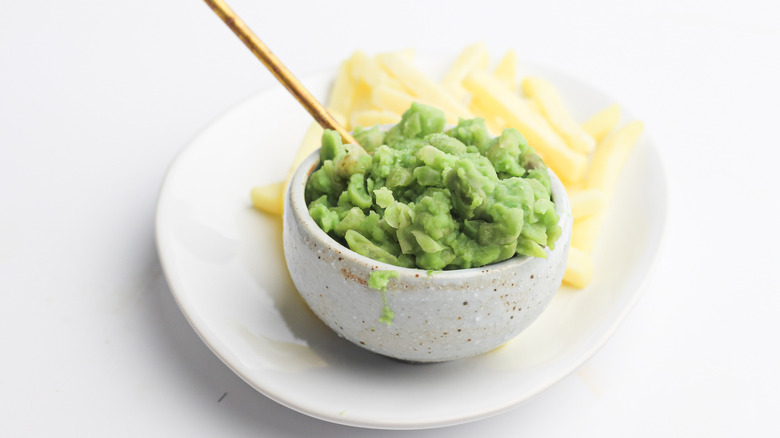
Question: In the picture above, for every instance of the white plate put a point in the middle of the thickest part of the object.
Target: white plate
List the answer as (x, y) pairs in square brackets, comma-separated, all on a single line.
[(224, 264)]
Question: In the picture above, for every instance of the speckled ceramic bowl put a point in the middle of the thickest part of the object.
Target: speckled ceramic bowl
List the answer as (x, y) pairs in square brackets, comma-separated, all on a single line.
[(444, 316)]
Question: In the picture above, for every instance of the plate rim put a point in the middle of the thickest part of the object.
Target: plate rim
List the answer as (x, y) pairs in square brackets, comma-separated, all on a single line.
[(595, 345)]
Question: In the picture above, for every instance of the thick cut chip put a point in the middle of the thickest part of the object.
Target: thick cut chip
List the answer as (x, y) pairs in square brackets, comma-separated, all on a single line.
[(603, 122), (553, 108), (471, 58), (365, 69), (373, 117), (579, 269), (311, 141), (608, 162), (533, 105), (408, 53), (506, 70), (586, 202), (390, 99), (269, 198), (362, 102), (495, 124), (569, 165), (610, 157), (422, 85), (584, 232), (342, 94)]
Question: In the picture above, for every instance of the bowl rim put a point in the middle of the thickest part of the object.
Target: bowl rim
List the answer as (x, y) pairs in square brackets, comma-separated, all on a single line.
[(295, 204)]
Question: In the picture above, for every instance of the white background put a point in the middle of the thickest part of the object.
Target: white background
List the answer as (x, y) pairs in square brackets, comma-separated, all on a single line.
[(96, 98)]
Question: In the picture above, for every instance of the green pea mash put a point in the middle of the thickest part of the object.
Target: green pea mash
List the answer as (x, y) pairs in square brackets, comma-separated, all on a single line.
[(378, 280), (421, 196)]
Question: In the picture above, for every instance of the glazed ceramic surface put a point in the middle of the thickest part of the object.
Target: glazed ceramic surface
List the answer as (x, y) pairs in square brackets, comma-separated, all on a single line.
[(224, 264), (438, 316)]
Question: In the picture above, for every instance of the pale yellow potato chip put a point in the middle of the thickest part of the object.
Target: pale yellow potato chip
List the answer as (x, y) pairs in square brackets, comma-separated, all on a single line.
[(473, 57), (266, 198), (363, 102), (408, 53), (374, 117), (365, 69), (603, 122), (311, 142), (421, 84), (554, 110), (506, 70), (586, 202), (494, 123), (393, 100), (579, 269), (584, 232), (342, 94), (569, 165), (608, 162), (269, 198), (532, 105), (611, 156), (390, 99), (574, 186)]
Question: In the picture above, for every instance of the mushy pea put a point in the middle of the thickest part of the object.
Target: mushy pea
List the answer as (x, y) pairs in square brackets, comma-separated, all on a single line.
[(378, 280), (431, 198)]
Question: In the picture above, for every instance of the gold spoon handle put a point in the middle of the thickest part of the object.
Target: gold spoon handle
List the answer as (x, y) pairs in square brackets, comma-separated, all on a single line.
[(278, 69)]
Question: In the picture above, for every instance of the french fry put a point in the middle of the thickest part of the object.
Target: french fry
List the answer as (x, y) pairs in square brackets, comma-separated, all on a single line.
[(532, 105), (342, 94), (421, 84), (568, 165), (574, 186), (494, 123), (396, 101), (603, 122), (365, 69), (377, 90), (579, 269), (408, 53), (553, 108), (391, 99), (506, 70), (362, 102), (611, 156), (586, 202), (472, 57), (585, 230), (311, 142), (269, 198), (608, 162), (373, 117)]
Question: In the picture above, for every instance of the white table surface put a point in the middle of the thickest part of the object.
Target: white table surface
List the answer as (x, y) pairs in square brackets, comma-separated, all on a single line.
[(96, 99)]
